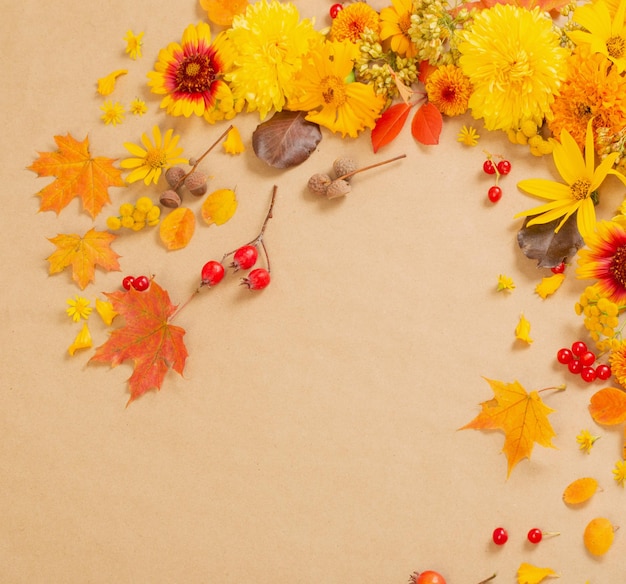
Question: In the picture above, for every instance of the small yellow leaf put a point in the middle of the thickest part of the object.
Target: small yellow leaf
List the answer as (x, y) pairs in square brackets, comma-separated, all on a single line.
[(177, 229), (580, 490), (598, 536), (550, 285), (529, 574), (219, 206), (522, 330)]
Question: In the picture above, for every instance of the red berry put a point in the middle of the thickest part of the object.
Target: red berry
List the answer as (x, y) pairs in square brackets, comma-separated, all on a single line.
[(489, 167), (588, 374), (212, 273), (494, 193), (564, 356), (500, 536), (127, 282), (575, 366), (428, 577), (504, 167), (245, 257), (578, 348), (257, 279), (603, 372), (558, 269), (335, 9), (141, 283), (587, 358), (535, 535)]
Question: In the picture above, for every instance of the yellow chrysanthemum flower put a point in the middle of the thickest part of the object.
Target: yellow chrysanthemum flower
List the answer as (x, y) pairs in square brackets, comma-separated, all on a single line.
[(395, 21), (604, 34), (190, 75), (106, 84), (449, 90), (265, 51), (82, 340), (329, 98), (133, 44), (468, 136), (353, 21), (582, 180), (619, 472), (113, 112), (515, 63), (78, 308), (148, 162)]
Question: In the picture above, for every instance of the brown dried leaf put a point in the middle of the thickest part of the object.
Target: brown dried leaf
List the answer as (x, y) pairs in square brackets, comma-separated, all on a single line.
[(540, 242), (286, 139)]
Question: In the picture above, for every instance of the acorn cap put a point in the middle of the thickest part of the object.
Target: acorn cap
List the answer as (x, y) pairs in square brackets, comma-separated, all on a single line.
[(170, 199), (318, 183), (344, 165)]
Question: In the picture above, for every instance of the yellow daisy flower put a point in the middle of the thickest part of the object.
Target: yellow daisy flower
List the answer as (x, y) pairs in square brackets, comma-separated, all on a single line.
[(353, 21), (148, 162), (265, 50), (586, 440), (106, 84), (190, 74), (138, 107), (582, 180), (619, 472), (78, 308), (133, 44), (395, 21), (505, 283), (515, 63), (449, 90), (604, 34), (113, 112), (332, 101), (468, 136)]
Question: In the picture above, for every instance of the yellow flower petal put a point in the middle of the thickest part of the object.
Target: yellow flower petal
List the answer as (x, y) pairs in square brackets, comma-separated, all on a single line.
[(549, 285), (82, 340), (106, 84), (105, 310), (529, 574), (522, 330), (233, 143)]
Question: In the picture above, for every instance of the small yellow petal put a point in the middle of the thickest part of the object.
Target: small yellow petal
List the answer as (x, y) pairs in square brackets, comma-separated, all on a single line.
[(82, 340), (106, 84), (522, 330), (105, 309), (549, 285), (233, 143), (529, 574)]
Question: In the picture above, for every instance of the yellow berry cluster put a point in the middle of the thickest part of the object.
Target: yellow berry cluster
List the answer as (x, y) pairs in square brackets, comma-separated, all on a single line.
[(601, 318), (529, 133), (136, 217)]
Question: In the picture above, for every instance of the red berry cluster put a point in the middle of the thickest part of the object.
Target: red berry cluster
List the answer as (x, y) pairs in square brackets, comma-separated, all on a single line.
[(579, 360), (139, 283), (503, 167), (243, 258)]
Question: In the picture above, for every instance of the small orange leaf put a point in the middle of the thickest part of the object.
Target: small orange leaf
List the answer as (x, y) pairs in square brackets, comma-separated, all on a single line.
[(425, 69), (598, 536), (77, 174), (83, 254), (580, 490), (608, 406), (177, 229), (427, 124), (219, 206), (388, 126)]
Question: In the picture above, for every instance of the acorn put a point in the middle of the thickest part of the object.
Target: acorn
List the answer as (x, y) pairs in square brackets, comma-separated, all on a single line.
[(196, 182), (344, 165), (173, 175), (338, 188), (170, 199), (318, 183)]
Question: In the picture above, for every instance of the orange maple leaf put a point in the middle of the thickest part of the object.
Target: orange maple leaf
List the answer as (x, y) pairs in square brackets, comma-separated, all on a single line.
[(147, 338), (83, 254), (522, 416), (77, 174)]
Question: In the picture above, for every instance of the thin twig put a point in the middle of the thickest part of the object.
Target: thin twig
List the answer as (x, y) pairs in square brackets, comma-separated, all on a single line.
[(348, 175)]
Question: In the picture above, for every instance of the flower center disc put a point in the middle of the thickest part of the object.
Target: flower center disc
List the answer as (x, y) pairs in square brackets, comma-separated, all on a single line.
[(618, 265), (333, 91), (580, 189), (195, 74), (155, 159), (615, 47)]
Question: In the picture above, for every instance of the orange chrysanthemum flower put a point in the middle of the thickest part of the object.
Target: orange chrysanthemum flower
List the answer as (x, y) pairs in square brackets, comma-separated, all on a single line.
[(449, 90), (604, 259), (190, 76), (352, 21), (593, 90), (617, 361)]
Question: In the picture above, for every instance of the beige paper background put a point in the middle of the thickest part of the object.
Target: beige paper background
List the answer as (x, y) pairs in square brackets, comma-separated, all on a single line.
[(313, 438)]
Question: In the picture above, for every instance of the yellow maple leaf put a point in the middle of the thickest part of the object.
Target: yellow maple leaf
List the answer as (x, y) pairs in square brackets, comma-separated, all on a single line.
[(177, 229), (83, 254), (549, 285), (219, 206), (77, 174), (529, 574), (522, 416)]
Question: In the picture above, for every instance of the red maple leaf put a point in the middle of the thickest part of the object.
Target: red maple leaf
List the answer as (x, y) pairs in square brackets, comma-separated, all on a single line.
[(147, 338)]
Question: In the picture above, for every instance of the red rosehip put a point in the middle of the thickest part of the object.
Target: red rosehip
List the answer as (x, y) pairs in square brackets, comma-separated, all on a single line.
[(257, 279), (212, 273), (245, 257)]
